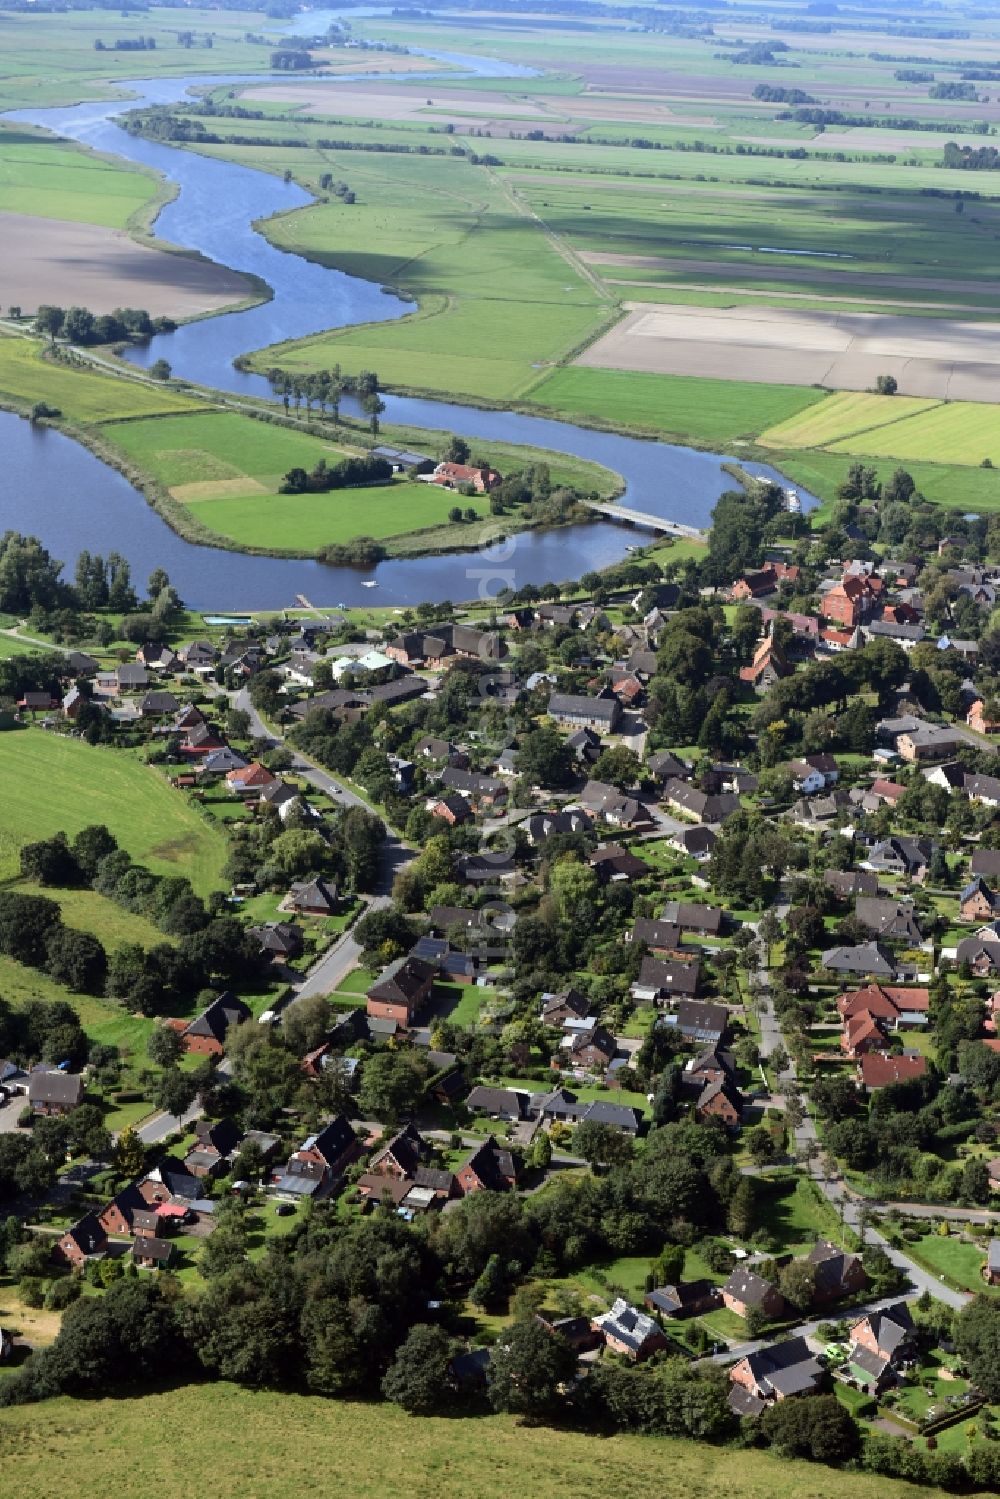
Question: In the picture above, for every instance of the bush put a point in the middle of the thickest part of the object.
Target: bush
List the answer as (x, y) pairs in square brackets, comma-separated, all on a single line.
[(61, 1294)]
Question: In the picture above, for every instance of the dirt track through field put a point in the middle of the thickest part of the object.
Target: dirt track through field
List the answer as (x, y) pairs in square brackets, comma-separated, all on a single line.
[(84, 265), (944, 358), (848, 281)]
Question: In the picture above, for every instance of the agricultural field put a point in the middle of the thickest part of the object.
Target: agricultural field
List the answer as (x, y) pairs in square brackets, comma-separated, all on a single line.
[(717, 411), (809, 348), (845, 415), (45, 65), (301, 1436), (66, 784), (53, 179), (82, 396), (226, 469)]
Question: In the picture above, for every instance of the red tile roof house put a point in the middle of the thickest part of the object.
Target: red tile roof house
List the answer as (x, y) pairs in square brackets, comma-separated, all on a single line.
[(875, 1071), (769, 666), (631, 1333), (401, 991), (85, 1241), (250, 780), (490, 1168), (454, 475)]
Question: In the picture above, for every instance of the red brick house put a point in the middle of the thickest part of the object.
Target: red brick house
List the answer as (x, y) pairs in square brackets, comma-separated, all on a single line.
[(720, 1099), (744, 1291), (755, 585), (977, 901), (119, 1215), (490, 1168), (977, 719), (401, 991), (457, 475), (452, 810), (631, 1333), (838, 1273), (206, 1034), (85, 1241)]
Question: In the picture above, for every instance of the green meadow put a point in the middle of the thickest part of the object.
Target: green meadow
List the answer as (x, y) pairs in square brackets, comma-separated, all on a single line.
[(209, 448), (81, 395), (51, 179), (287, 1446), (56, 784), (705, 410), (310, 521)]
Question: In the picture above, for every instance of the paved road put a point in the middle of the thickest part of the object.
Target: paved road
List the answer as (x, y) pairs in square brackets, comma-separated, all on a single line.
[(807, 1329), (160, 1125), (345, 954), (848, 1206)]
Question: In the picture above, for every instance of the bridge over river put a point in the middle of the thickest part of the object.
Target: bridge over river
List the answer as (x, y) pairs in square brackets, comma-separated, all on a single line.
[(644, 521)]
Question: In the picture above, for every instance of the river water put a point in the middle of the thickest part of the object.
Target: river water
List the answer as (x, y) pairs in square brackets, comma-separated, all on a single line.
[(215, 209)]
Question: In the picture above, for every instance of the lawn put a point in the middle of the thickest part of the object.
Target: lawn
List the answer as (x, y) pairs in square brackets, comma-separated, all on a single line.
[(277, 1444), (227, 468), (961, 432), (705, 410), (81, 395), (59, 784), (797, 1216), (958, 1264), (52, 179)]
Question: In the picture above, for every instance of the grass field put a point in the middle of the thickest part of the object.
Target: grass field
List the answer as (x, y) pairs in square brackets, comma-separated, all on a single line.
[(90, 912), (952, 485), (82, 396), (841, 416), (51, 179), (707, 410), (227, 468), (911, 430), (288, 1446), (65, 784)]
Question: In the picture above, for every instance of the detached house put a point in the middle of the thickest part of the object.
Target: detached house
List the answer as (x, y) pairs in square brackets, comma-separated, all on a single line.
[(318, 1163), (631, 1333), (53, 1092), (490, 1168), (206, 1034), (401, 990), (85, 1241), (977, 901), (745, 1291), (776, 1373)]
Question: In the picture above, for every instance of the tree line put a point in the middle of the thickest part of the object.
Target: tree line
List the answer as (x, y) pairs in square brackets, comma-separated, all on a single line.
[(78, 325)]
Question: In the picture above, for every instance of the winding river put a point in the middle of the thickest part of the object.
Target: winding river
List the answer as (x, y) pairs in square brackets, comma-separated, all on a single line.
[(57, 490)]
